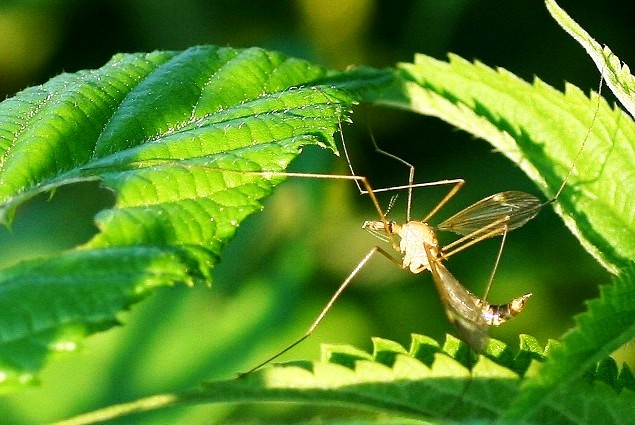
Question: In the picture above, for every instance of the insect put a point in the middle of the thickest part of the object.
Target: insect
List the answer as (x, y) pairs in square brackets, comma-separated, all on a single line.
[(419, 249), (470, 314), (418, 244)]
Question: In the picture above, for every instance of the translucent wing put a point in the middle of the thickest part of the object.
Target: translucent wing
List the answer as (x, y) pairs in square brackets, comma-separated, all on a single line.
[(469, 314), (464, 309), (517, 207)]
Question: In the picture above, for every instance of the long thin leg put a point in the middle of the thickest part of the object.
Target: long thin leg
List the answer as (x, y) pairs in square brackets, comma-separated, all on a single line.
[(411, 172), (328, 305), (361, 181), (498, 257), (495, 228), (458, 183)]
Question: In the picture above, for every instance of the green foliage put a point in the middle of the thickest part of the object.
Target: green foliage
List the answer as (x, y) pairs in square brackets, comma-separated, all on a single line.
[(542, 130), (191, 142), (172, 134), (617, 75), (607, 325), (426, 382)]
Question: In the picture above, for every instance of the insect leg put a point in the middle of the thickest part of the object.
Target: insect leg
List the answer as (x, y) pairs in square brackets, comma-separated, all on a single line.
[(495, 228), (328, 305), (458, 183), (498, 257)]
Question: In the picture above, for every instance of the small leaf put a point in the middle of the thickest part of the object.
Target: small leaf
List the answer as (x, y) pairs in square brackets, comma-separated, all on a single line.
[(617, 75)]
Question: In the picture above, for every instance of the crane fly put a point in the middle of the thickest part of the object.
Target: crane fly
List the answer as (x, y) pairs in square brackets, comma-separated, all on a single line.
[(416, 243), (419, 249), (492, 216), (495, 215)]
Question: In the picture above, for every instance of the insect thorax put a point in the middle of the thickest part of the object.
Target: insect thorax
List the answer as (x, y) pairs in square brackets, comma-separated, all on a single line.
[(414, 235)]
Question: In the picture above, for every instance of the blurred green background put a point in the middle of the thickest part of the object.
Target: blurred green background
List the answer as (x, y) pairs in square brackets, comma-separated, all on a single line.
[(286, 262)]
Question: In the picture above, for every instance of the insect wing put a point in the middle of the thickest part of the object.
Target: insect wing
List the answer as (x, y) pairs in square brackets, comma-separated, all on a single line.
[(464, 309), (517, 207)]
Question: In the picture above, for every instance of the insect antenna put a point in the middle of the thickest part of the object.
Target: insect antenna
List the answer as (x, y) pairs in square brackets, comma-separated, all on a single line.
[(582, 146)]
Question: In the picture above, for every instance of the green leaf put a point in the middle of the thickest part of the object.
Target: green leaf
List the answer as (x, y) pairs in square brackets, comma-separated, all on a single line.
[(49, 305), (542, 130), (183, 138), (425, 383), (607, 325), (172, 134), (618, 76)]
